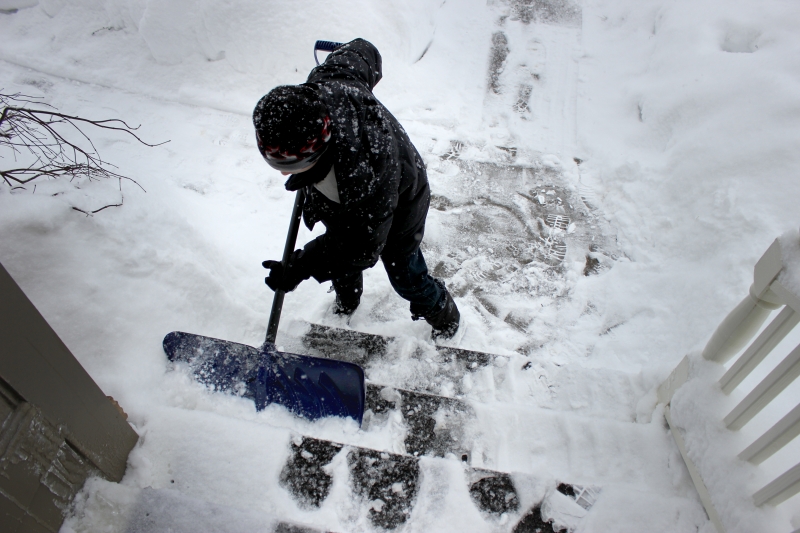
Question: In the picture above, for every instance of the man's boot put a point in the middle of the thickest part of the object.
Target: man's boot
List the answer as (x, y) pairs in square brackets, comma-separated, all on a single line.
[(348, 294), (347, 305), (444, 319)]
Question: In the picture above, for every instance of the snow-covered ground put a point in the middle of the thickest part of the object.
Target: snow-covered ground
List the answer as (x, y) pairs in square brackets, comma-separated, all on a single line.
[(667, 132)]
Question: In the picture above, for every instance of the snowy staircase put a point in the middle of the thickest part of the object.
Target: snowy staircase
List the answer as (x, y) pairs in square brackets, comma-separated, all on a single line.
[(169, 510), (421, 432), (487, 453), (390, 486), (478, 451), (376, 488)]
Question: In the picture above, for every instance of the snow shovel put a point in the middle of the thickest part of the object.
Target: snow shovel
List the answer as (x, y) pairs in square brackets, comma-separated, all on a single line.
[(310, 387)]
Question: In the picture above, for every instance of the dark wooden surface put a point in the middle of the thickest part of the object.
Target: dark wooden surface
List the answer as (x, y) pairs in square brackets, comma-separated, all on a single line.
[(57, 426)]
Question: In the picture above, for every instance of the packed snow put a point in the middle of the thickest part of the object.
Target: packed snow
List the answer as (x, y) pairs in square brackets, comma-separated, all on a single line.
[(662, 137)]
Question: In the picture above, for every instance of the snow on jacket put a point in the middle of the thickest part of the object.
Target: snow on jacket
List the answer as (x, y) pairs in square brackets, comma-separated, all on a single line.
[(381, 180)]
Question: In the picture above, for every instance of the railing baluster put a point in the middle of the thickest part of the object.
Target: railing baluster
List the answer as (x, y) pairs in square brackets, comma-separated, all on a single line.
[(766, 391), (763, 345), (783, 488), (773, 440)]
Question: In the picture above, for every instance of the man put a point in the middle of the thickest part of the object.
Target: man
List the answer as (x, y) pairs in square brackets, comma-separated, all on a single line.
[(362, 178)]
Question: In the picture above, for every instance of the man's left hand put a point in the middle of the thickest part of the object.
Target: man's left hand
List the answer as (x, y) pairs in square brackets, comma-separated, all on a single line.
[(285, 278)]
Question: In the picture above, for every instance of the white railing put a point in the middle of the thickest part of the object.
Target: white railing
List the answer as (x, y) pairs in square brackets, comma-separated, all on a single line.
[(775, 285)]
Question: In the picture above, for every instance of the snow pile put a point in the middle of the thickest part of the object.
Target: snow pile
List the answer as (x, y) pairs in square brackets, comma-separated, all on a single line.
[(681, 115)]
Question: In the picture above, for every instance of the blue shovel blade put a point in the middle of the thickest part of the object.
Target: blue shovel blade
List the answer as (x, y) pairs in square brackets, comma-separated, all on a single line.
[(221, 365), (313, 387), (310, 387)]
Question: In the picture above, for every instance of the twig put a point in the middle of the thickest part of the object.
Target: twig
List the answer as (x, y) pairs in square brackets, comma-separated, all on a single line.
[(121, 201)]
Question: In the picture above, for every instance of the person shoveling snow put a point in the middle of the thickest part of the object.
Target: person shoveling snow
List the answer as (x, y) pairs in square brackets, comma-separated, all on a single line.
[(361, 177)]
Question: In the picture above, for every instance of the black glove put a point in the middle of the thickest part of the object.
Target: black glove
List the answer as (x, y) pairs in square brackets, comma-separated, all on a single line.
[(286, 278)]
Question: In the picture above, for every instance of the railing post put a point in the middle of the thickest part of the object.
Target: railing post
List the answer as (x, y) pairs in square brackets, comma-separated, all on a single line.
[(744, 321)]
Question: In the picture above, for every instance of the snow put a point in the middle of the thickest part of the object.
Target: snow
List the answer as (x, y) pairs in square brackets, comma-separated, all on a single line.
[(790, 252), (683, 116), (730, 481)]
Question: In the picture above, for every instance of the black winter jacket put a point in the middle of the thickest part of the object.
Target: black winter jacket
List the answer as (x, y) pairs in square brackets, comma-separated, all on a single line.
[(383, 187)]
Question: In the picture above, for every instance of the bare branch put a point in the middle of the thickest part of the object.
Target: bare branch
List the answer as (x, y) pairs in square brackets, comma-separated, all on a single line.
[(54, 145)]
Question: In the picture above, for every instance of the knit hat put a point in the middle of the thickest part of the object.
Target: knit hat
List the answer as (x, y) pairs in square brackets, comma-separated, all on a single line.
[(292, 127)]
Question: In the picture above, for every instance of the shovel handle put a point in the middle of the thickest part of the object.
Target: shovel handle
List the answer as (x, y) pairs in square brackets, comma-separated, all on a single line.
[(291, 239), (325, 46)]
